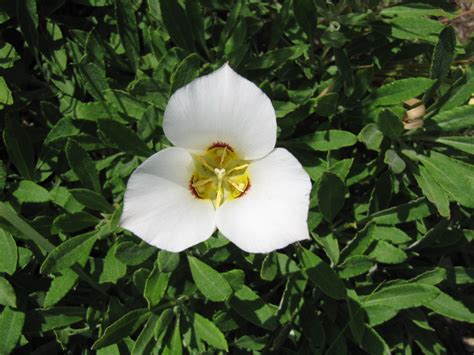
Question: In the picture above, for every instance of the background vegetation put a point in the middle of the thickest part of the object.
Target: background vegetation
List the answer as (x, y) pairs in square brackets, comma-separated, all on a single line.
[(83, 86)]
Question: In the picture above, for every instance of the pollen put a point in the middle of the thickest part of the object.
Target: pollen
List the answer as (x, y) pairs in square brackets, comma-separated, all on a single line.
[(219, 175)]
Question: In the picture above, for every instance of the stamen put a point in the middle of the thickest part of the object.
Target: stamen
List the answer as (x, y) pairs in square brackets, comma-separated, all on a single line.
[(204, 162), (240, 167), (223, 156), (201, 182)]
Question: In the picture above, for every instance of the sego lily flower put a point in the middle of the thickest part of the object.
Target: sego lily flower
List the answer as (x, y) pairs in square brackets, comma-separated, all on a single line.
[(224, 172)]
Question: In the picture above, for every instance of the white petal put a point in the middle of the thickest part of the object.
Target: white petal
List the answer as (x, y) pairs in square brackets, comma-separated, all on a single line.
[(273, 212), (159, 207), (221, 107)]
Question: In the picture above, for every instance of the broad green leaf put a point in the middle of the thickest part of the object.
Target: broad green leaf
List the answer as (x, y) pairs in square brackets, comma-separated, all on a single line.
[(60, 287), (29, 191), (374, 343), (460, 186), (92, 200), (74, 222), (390, 234), (167, 261), (210, 282), (11, 327), (421, 28), (8, 253), (127, 28), (133, 254), (356, 265), (447, 306), (207, 331), (276, 58), (114, 269), (6, 97), (458, 96), (401, 296), (397, 92), (331, 195), (68, 253), (371, 137), (63, 129), (387, 253), (122, 328), (322, 275), (389, 124), (7, 293), (123, 138), (185, 72), (269, 268), (452, 120), (443, 54), (396, 164), (8, 55), (251, 307), (19, 148), (327, 140), (155, 286), (82, 165), (126, 103), (95, 83)]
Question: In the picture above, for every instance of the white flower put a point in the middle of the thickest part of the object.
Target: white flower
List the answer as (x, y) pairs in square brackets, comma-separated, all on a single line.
[(224, 173)]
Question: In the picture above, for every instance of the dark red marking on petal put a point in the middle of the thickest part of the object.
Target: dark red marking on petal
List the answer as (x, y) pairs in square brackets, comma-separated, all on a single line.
[(219, 144), (192, 189)]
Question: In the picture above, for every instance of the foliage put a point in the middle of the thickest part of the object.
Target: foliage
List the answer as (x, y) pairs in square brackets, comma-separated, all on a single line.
[(83, 87)]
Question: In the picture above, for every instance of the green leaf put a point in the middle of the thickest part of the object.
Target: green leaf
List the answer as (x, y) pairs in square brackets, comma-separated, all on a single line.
[(390, 234), (127, 28), (331, 195), (167, 261), (443, 54), (385, 252), (133, 254), (123, 138), (356, 265), (60, 286), (29, 191), (460, 186), (322, 276), (306, 16), (114, 269), (407, 212), (185, 72), (207, 331), (74, 222), (27, 15), (327, 140), (251, 307), (92, 200), (397, 92), (95, 83), (155, 286), (420, 28), (452, 120), (396, 164), (8, 253), (82, 165), (174, 346), (19, 148), (180, 31), (7, 293), (123, 327), (447, 306), (371, 137), (68, 253), (461, 143), (11, 327), (269, 268), (145, 342), (344, 66), (162, 324), (211, 283), (433, 191), (389, 124), (6, 97)]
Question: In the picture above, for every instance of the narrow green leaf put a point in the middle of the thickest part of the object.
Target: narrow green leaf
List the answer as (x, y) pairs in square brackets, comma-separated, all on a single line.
[(92, 200), (19, 148), (397, 92), (447, 306), (145, 342), (68, 253), (127, 28), (211, 283), (407, 212), (122, 328), (29, 191), (387, 253), (6, 97), (82, 165), (371, 137), (27, 15), (433, 191), (180, 31), (114, 269), (356, 265), (133, 254), (185, 72), (443, 54), (322, 276), (389, 124), (123, 138), (327, 140), (155, 286), (167, 261), (452, 120)]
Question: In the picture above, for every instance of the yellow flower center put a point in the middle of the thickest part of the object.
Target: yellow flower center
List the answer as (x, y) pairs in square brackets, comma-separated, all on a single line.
[(219, 175)]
